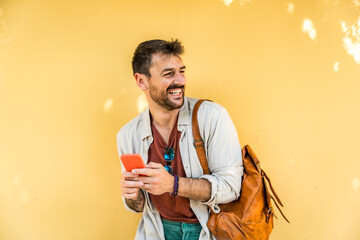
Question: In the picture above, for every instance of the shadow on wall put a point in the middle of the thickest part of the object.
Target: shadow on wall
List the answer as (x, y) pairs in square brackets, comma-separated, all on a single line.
[(350, 27)]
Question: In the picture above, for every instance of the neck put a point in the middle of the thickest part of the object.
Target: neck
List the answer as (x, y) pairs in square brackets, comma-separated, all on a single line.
[(163, 118)]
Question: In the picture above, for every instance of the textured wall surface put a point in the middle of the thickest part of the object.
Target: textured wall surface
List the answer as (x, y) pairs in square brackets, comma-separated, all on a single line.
[(287, 71)]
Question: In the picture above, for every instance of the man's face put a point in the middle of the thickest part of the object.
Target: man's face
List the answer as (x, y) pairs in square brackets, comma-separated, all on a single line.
[(167, 82)]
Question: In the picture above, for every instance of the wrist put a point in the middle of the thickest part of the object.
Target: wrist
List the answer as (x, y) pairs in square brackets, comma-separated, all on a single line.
[(139, 195), (171, 185)]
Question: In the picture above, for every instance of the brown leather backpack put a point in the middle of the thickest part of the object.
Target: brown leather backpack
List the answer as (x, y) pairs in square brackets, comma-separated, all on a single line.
[(251, 215)]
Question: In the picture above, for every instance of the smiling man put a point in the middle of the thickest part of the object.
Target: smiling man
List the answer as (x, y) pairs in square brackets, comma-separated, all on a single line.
[(172, 192)]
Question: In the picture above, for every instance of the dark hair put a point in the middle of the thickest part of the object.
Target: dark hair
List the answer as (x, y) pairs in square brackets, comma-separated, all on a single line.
[(141, 61)]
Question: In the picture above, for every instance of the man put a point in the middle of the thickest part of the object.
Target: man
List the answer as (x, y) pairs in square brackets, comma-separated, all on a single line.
[(172, 192)]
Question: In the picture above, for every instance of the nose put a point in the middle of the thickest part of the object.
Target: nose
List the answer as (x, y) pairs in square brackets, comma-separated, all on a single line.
[(180, 78)]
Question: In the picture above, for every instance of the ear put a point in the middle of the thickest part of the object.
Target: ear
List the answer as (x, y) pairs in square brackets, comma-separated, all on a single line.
[(142, 81)]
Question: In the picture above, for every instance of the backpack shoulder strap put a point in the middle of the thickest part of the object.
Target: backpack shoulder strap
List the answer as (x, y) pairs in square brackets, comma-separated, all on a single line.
[(198, 141)]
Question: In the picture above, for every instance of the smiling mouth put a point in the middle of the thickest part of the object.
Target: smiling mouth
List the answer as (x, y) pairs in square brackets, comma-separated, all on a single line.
[(175, 92)]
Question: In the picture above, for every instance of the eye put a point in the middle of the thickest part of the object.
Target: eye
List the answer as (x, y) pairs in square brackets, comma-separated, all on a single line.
[(168, 74)]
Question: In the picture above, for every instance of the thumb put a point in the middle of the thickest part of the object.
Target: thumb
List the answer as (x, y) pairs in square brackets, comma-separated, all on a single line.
[(154, 165)]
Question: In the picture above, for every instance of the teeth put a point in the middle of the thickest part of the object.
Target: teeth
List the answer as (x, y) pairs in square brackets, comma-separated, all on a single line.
[(175, 92)]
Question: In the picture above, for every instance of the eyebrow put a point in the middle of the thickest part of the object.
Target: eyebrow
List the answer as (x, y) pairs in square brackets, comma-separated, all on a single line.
[(171, 69)]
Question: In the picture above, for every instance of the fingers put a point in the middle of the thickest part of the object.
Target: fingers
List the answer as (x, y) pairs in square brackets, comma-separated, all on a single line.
[(130, 181), (128, 175), (130, 185), (154, 165), (149, 170), (159, 182), (153, 179), (131, 195), (148, 181)]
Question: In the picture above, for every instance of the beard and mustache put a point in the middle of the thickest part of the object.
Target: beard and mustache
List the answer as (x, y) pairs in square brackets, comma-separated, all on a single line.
[(162, 99)]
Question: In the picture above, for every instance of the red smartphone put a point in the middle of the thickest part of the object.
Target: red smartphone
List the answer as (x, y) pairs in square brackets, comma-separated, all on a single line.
[(132, 161)]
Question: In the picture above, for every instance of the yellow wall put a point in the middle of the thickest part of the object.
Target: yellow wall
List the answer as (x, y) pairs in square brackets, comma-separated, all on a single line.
[(287, 71)]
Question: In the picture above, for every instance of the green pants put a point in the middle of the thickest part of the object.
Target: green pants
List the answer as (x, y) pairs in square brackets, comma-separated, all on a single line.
[(181, 231)]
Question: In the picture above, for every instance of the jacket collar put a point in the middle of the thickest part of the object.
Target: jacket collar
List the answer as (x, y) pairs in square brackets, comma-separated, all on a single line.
[(184, 119)]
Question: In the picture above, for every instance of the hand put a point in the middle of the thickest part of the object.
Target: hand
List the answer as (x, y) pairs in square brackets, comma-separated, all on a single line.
[(156, 179), (130, 185)]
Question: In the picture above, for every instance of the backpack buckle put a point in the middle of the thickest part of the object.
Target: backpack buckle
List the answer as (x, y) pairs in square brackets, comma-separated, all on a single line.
[(269, 211), (198, 143)]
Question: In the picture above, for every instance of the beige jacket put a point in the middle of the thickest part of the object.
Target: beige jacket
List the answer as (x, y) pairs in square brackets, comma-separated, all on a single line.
[(223, 153)]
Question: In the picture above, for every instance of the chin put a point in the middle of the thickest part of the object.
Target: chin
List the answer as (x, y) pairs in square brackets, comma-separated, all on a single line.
[(179, 103), (172, 105)]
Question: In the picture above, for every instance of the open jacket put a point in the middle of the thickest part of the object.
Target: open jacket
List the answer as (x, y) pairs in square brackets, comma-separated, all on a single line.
[(223, 153)]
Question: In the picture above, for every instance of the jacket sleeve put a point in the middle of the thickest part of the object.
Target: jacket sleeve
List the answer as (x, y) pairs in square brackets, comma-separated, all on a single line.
[(223, 154)]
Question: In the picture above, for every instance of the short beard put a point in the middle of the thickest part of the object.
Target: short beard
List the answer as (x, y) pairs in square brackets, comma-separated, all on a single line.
[(164, 101)]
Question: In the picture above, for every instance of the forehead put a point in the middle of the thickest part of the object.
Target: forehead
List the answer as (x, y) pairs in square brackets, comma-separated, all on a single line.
[(160, 61)]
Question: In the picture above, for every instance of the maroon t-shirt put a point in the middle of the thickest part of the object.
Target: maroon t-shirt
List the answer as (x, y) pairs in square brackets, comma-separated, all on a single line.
[(170, 208)]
